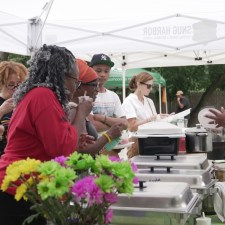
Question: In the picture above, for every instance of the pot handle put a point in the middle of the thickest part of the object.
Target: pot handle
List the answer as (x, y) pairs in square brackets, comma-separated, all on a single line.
[(163, 167), (166, 155), (140, 185), (202, 134)]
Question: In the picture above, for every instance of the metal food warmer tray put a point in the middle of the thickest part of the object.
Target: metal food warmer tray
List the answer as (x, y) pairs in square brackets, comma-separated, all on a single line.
[(187, 161), (158, 138), (154, 202), (200, 181)]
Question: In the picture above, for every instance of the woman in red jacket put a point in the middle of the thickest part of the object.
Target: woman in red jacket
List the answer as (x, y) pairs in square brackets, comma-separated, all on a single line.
[(39, 127)]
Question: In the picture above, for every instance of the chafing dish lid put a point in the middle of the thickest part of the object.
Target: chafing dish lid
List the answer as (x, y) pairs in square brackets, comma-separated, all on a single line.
[(187, 161), (159, 128), (197, 179), (162, 197)]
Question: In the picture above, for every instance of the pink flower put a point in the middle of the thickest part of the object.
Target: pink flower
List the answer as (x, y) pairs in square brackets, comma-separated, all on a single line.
[(108, 216), (87, 189), (134, 167), (135, 180), (110, 197), (61, 160), (114, 158)]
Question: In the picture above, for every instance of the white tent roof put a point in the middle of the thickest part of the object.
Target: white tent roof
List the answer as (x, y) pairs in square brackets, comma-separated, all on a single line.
[(143, 33)]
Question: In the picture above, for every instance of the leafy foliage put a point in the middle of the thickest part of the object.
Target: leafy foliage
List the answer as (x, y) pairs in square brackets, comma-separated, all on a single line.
[(191, 78), (78, 189)]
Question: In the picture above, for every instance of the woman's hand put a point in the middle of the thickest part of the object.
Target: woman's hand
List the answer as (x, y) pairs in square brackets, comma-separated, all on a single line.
[(7, 106), (217, 117), (115, 131), (153, 118), (85, 140), (85, 106), (2, 129)]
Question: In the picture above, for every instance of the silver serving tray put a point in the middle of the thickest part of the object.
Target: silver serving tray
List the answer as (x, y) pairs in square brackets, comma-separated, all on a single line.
[(197, 179), (169, 197), (187, 161)]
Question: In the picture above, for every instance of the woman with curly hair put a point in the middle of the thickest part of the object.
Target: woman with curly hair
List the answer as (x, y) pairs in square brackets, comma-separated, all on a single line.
[(12, 74), (39, 127)]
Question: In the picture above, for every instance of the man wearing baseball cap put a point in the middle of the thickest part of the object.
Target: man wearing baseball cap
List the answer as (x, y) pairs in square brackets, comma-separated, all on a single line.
[(107, 109), (182, 102)]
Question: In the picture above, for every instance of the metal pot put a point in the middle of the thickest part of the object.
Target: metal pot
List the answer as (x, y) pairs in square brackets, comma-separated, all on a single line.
[(198, 140)]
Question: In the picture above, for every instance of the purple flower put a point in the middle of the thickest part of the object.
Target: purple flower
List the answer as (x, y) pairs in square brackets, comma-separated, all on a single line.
[(108, 216), (61, 160), (110, 197), (135, 180), (134, 167), (114, 158), (87, 189)]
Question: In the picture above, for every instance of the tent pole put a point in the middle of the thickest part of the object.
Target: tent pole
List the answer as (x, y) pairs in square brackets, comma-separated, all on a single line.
[(124, 81), (124, 77), (166, 102), (160, 100)]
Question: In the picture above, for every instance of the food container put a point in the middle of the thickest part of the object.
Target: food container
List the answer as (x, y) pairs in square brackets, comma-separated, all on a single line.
[(159, 138), (172, 200), (198, 140), (158, 145), (219, 166), (199, 180), (186, 161), (159, 128)]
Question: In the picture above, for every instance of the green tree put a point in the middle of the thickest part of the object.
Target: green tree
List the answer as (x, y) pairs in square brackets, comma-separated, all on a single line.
[(204, 79), (4, 56)]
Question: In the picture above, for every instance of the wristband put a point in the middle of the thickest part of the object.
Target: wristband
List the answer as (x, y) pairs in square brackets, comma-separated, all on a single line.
[(107, 136)]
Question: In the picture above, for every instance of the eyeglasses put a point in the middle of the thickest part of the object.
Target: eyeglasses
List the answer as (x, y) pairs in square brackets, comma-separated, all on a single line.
[(149, 86), (12, 86), (92, 84), (77, 82)]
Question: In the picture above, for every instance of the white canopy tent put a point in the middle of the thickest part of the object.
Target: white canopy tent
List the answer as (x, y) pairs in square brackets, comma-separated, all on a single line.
[(136, 34)]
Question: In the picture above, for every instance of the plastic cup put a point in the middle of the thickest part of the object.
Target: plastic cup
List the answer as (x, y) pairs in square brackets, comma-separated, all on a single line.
[(203, 221), (83, 98)]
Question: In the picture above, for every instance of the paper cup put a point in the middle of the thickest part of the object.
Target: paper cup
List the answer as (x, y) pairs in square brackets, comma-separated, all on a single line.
[(83, 98), (203, 221)]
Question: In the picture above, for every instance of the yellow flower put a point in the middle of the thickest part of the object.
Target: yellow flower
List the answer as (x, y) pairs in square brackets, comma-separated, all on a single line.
[(5, 183), (17, 169), (20, 191)]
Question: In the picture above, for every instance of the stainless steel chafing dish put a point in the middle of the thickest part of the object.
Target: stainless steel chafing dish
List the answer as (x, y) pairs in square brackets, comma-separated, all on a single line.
[(152, 200), (187, 161), (199, 180), (194, 169)]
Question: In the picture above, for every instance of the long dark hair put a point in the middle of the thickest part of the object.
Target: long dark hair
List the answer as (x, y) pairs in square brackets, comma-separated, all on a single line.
[(48, 68)]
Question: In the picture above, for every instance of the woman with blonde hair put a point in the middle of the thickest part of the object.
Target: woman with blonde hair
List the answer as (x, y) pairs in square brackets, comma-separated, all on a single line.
[(138, 108), (12, 74)]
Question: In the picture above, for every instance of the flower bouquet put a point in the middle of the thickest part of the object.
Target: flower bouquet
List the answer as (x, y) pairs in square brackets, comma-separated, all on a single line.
[(71, 190)]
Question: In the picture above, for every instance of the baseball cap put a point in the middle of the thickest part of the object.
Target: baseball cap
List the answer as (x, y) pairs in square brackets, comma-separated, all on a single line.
[(101, 59), (179, 93)]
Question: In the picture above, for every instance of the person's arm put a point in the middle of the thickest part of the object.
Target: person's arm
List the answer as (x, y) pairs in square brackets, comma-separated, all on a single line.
[(180, 105), (6, 107), (98, 122), (77, 116), (133, 123), (113, 132), (109, 121)]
